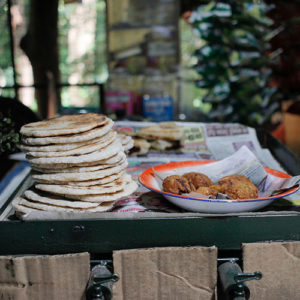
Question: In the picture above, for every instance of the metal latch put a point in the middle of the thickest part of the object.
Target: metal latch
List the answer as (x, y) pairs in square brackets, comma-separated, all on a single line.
[(100, 282), (233, 280)]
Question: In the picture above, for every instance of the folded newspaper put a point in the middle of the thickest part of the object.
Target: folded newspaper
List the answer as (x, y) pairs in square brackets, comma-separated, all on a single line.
[(205, 141), (243, 162)]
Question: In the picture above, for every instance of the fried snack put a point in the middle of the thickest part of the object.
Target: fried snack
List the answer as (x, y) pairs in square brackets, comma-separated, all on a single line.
[(176, 184), (208, 191), (198, 179), (238, 187)]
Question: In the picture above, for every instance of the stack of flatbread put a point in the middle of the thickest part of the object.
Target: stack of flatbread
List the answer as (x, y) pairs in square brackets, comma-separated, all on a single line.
[(78, 165), (162, 136)]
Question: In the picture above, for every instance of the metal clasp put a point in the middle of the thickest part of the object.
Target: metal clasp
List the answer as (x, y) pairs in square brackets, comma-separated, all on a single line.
[(100, 283), (233, 280)]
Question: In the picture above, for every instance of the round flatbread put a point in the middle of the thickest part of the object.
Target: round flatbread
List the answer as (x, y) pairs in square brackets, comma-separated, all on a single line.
[(60, 147), (125, 139), (64, 190), (71, 138), (101, 154), (19, 208), (24, 206), (85, 167), (103, 180), (84, 149), (77, 169), (129, 145), (165, 130), (141, 146), (74, 177), (128, 190), (46, 198), (63, 125)]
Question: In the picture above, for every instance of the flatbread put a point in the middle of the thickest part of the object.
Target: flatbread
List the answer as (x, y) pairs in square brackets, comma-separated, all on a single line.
[(129, 145), (74, 177), (103, 180), (84, 149), (68, 124), (19, 208), (78, 169), (162, 145), (71, 138), (24, 206), (46, 198), (102, 207), (112, 187), (84, 167), (126, 141), (60, 147), (166, 131), (141, 146), (101, 154), (128, 190)]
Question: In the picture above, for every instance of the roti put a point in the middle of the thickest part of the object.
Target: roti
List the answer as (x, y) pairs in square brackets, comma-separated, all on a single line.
[(46, 198), (103, 180), (128, 190), (68, 124), (125, 139), (85, 167), (73, 160), (61, 147), (64, 190), (77, 169), (163, 145), (71, 138), (166, 131), (24, 206), (84, 149), (74, 177), (141, 146), (129, 145)]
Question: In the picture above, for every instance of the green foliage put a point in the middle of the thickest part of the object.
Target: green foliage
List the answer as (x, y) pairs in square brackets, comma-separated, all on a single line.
[(233, 64), (9, 138)]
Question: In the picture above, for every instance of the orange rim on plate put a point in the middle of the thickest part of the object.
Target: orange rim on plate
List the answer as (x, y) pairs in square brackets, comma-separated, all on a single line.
[(148, 175)]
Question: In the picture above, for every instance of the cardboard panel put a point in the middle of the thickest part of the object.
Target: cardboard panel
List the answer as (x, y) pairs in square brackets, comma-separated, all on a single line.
[(166, 273), (280, 266), (44, 277)]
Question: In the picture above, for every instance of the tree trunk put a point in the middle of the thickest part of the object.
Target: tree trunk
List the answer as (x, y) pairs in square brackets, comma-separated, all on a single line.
[(41, 46)]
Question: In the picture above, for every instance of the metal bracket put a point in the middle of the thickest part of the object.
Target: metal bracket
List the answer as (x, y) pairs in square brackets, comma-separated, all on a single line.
[(233, 280), (100, 282)]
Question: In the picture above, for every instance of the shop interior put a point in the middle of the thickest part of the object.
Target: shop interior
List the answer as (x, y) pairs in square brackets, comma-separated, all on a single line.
[(149, 149)]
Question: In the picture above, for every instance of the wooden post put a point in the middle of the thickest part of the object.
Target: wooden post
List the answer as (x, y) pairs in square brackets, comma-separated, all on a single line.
[(41, 46)]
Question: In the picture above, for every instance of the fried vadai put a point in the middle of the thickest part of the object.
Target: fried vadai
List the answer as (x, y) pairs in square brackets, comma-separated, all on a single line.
[(176, 184), (238, 187), (208, 191), (198, 179)]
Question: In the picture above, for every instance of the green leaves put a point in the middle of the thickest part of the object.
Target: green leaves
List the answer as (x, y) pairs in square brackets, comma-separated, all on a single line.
[(233, 65), (9, 138)]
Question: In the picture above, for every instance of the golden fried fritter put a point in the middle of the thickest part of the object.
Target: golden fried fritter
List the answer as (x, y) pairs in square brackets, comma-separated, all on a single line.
[(238, 187), (205, 190), (176, 184), (198, 179)]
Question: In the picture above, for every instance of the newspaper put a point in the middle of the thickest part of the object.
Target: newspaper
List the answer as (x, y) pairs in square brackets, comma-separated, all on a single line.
[(242, 162), (208, 141)]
